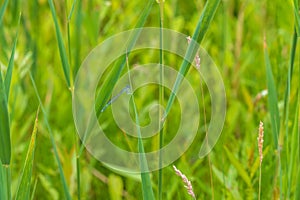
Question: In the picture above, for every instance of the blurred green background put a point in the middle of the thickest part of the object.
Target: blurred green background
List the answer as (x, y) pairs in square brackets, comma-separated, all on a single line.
[(234, 41)]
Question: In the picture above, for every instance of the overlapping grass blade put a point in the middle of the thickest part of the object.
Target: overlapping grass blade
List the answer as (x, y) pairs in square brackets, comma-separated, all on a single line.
[(2, 10), (61, 46), (201, 28), (272, 98), (8, 76), (5, 144), (61, 173), (23, 191), (108, 85)]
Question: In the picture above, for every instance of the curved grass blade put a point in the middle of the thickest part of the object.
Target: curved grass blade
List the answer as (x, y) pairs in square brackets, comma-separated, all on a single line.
[(61, 173), (61, 46), (7, 80), (23, 191), (202, 27), (272, 98)]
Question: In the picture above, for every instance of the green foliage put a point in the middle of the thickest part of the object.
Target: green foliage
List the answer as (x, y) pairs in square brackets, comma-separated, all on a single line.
[(5, 147), (23, 192), (45, 52)]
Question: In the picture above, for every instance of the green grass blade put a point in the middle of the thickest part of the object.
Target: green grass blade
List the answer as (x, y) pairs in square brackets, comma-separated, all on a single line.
[(7, 80), (108, 85), (33, 190), (146, 181), (272, 98), (6, 180), (23, 191), (72, 10), (61, 46), (77, 36), (294, 147), (297, 17), (202, 27), (289, 154), (297, 196), (161, 99), (2, 10), (145, 175), (239, 167), (61, 173), (5, 144)]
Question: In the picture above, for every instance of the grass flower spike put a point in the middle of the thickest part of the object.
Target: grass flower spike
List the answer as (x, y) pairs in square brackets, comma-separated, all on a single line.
[(260, 140), (188, 184)]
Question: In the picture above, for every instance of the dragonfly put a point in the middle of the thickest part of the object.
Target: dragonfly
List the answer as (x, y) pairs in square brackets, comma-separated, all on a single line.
[(126, 90)]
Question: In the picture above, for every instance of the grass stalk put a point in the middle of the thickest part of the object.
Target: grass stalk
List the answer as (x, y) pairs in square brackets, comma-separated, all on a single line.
[(201, 28), (76, 138), (259, 183), (161, 98), (145, 175)]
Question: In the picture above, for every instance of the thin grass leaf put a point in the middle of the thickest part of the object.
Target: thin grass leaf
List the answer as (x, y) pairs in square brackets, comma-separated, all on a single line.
[(77, 36), (23, 191), (72, 10), (239, 167), (294, 147), (2, 10), (161, 98), (5, 144), (112, 78), (34, 189), (297, 195), (202, 27), (108, 85), (61, 173), (272, 98), (297, 17), (146, 180), (61, 46), (286, 111), (8, 76)]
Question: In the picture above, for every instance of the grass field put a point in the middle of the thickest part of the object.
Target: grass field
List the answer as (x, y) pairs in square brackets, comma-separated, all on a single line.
[(43, 44)]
